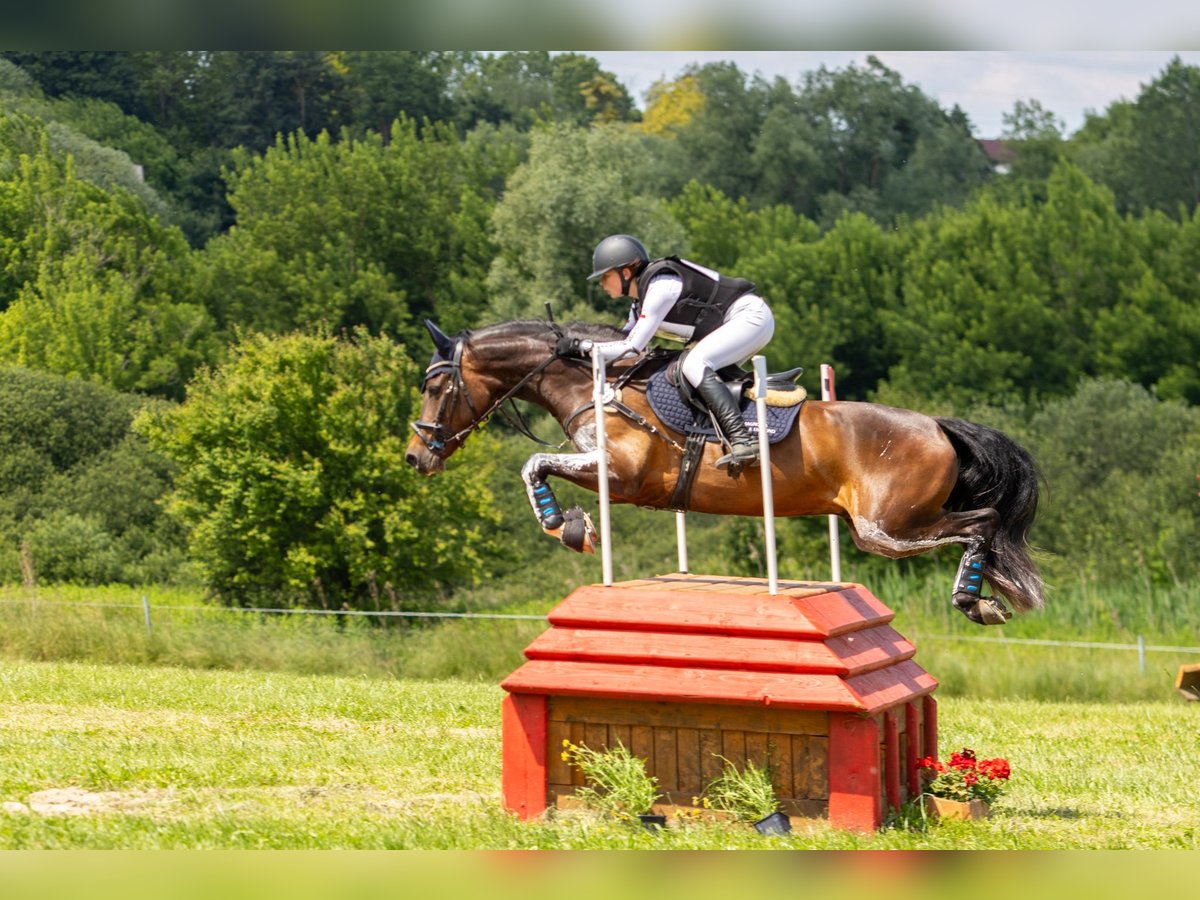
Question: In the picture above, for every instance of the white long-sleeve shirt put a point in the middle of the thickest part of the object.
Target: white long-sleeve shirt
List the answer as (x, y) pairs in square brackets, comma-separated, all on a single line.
[(662, 293)]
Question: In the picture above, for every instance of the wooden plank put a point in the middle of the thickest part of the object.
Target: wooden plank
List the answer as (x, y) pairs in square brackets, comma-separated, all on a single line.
[(710, 755), (779, 756), (688, 715), (595, 735), (892, 686), (577, 738), (842, 611), (641, 744), (620, 734), (523, 742), (691, 781), (716, 651), (810, 767), (891, 759), (912, 742), (783, 690), (712, 611), (854, 773), (756, 749), (557, 769), (666, 767), (929, 730), (733, 748), (806, 809), (869, 649)]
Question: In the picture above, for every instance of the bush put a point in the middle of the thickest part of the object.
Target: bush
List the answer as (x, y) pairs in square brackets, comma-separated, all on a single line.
[(293, 486)]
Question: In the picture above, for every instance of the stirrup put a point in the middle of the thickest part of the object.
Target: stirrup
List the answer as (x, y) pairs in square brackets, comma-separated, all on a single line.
[(739, 455)]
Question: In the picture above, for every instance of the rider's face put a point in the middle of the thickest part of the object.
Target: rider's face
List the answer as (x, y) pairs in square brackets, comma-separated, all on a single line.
[(611, 282)]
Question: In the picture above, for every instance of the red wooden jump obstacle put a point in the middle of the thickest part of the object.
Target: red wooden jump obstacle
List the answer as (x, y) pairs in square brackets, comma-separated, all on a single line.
[(686, 669)]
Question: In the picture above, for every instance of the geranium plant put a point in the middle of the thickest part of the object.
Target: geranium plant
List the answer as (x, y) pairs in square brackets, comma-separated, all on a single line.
[(965, 777)]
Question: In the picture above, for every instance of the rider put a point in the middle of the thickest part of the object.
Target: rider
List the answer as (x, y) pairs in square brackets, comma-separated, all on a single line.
[(721, 317)]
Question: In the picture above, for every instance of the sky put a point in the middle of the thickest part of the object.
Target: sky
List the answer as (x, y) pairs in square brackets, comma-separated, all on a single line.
[(984, 83)]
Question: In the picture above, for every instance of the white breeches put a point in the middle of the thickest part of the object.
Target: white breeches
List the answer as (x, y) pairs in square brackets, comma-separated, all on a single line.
[(747, 328)]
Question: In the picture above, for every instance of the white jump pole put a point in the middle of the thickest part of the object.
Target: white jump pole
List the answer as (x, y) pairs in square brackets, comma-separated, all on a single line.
[(828, 392), (764, 466), (681, 540), (599, 383)]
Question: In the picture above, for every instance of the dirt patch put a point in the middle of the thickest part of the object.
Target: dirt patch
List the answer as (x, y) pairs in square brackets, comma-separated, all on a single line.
[(74, 801)]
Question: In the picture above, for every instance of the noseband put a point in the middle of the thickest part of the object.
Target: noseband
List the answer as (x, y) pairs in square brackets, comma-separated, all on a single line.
[(436, 436)]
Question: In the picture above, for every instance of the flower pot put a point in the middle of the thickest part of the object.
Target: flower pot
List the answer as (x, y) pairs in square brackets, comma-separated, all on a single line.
[(775, 823), (652, 822), (942, 808)]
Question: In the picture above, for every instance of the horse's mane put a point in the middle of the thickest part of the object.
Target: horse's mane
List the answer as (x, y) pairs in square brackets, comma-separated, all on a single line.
[(532, 328)]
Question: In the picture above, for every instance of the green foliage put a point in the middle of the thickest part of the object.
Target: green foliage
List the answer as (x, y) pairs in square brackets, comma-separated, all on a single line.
[(1121, 467), (78, 487), (355, 233), (617, 782), (292, 482), (748, 794), (576, 187), (91, 283)]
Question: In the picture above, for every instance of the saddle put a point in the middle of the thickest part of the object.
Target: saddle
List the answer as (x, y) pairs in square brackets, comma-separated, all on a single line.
[(674, 402)]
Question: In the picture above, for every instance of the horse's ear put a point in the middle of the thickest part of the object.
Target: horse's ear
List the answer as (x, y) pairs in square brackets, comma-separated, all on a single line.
[(444, 344)]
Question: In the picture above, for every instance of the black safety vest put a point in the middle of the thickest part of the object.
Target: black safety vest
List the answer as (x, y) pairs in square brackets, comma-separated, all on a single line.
[(702, 303)]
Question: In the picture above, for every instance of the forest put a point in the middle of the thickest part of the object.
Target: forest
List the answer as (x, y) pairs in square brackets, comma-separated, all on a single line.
[(215, 265)]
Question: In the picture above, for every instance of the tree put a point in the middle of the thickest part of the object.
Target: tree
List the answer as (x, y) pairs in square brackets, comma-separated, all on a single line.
[(78, 486), (292, 484), (576, 187), (92, 284), (355, 233)]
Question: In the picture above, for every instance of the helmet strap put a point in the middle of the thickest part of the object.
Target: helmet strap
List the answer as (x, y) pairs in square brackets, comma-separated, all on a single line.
[(625, 282)]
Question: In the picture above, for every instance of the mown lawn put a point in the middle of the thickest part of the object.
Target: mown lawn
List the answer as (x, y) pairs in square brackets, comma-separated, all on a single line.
[(103, 756)]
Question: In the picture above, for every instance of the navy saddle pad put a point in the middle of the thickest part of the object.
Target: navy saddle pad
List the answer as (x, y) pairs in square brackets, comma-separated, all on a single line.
[(669, 406)]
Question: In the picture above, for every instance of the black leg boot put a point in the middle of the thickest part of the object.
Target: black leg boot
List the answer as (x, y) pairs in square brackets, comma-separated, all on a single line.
[(743, 446)]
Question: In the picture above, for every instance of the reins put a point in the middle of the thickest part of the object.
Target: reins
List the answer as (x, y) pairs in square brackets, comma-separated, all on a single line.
[(437, 439)]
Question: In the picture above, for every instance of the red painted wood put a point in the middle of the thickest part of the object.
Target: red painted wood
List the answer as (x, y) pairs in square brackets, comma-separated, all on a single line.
[(523, 739), (653, 683), (891, 758), (896, 684), (689, 611), (852, 654), (912, 747), (715, 612), (929, 730), (846, 610), (854, 801)]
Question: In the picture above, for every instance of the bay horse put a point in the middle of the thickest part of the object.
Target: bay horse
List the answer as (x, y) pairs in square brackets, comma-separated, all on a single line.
[(903, 482)]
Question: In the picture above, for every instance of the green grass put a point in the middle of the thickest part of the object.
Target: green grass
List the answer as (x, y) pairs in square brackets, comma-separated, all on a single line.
[(101, 756)]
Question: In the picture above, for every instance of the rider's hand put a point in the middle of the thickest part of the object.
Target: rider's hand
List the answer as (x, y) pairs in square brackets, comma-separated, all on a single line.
[(573, 347)]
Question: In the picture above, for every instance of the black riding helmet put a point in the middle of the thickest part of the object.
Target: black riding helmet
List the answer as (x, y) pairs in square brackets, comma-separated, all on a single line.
[(615, 251)]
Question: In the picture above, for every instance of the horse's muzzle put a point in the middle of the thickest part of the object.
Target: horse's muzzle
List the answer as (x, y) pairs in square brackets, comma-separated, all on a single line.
[(423, 461)]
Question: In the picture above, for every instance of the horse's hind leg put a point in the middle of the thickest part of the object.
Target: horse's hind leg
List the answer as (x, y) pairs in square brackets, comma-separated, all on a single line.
[(891, 537)]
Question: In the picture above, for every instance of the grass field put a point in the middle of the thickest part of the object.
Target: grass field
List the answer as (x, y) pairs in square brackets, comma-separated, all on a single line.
[(132, 756)]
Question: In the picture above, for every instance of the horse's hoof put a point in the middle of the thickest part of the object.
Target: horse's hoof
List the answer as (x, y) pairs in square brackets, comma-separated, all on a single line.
[(577, 531), (982, 611)]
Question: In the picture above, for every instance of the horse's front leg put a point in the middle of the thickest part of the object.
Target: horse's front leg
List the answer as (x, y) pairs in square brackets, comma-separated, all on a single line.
[(572, 527)]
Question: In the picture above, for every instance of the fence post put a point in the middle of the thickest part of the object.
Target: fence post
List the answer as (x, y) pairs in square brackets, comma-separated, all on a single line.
[(681, 540), (764, 465), (1141, 654), (599, 383), (146, 612), (828, 392)]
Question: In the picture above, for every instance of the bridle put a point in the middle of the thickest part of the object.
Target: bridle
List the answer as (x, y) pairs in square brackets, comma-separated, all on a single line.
[(436, 436)]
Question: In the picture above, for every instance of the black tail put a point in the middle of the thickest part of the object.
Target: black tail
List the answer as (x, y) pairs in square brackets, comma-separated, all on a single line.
[(995, 471)]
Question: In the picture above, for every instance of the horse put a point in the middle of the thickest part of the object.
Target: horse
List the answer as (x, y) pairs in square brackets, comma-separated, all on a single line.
[(903, 482)]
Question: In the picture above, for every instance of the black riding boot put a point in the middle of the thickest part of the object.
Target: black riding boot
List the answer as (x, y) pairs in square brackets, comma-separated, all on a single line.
[(743, 446)]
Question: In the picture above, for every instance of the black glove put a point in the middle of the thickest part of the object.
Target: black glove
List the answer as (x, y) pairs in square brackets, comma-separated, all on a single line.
[(572, 347)]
